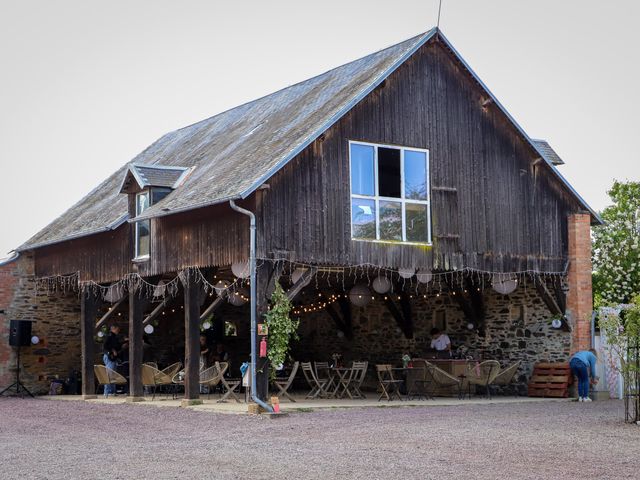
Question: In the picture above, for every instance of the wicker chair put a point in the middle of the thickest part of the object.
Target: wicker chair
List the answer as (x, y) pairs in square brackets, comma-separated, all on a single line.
[(171, 370), (154, 378), (482, 374), (211, 377), (436, 377), (505, 376), (390, 386), (106, 376)]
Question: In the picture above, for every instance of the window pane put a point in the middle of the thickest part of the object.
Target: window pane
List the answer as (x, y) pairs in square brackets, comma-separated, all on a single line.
[(158, 194), (415, 175), (389, 172), (416, 222), (143, 237), (362, 170), (142, 202), (363, 218), (390, 220)]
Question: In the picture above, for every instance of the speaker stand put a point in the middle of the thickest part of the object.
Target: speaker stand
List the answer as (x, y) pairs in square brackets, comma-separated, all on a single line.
[(17, 385)]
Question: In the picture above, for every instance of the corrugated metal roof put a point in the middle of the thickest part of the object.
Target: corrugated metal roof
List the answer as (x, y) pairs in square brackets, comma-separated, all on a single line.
[(236, 151), (547, 152)]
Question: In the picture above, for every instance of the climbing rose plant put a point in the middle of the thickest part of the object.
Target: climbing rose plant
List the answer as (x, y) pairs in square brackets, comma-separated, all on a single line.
[(282, 329), (616, 247)]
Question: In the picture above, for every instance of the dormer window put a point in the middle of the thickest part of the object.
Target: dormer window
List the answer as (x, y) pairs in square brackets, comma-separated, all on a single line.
[(142, 227), (147, 185)]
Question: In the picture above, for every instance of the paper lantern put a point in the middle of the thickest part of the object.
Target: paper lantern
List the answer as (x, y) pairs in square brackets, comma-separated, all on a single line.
[(406, 272), (221, 286), (206, 325), (148, 329), (381, 284), (35, 340), (100, 334), (424, 276), (360, 295), (241, 269), (470, 326), (556, 323), (237, 298), (504, 284), (297, 275)]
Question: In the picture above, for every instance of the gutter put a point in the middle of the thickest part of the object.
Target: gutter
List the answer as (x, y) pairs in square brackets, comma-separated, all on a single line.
[(252, 269)]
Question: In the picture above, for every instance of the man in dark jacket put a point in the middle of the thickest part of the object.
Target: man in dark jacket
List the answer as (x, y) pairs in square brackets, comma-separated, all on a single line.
[(112, 349)]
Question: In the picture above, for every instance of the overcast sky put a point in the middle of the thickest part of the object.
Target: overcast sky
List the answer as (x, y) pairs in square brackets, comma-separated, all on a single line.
[(86, 85)]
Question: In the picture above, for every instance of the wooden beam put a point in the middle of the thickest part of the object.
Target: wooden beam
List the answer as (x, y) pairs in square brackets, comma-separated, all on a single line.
[(398, 316), (110, 312), (156, 311), (471, 303), (136, 330), (89, 303), (342, 320), (217, 303), (191, 338), (297, 287), (546, 296)]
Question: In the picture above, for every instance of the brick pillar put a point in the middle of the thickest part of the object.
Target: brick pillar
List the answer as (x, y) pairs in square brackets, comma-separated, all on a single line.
[(579, 297)]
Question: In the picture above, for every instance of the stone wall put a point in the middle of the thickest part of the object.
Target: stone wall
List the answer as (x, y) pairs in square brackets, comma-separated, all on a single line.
[(56, 319), (518, 327)]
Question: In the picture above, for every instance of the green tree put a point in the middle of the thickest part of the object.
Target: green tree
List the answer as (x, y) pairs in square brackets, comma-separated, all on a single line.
[(616, 247)]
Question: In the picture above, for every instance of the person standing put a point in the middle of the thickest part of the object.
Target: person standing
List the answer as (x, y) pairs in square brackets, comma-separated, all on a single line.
[(112, 350), (440, 341), (583, 366)]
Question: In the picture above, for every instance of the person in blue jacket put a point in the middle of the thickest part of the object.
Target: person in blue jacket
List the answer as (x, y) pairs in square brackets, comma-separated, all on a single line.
[(583, 366)]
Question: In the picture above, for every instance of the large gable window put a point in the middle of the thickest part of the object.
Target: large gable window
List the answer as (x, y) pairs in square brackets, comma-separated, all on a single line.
[(142, 227), (389, 193)]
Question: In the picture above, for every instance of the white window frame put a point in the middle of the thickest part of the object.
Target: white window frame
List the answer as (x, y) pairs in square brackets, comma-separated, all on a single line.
[(402, 200), (137, 255)]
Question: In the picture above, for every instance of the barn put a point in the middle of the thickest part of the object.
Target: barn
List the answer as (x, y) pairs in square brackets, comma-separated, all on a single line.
[(389, 196)]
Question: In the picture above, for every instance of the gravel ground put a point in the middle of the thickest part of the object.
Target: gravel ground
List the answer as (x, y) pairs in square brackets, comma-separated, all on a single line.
[(63, 439)]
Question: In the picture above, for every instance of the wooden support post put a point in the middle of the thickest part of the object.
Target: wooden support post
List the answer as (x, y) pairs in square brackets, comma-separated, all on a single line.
[(136, 308), (265, 283), (89, 303), (110, 313), (191, 339)]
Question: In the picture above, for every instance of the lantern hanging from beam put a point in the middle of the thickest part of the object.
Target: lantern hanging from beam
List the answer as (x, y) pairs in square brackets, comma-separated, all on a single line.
[(360, 295), (504, 284), (424, 276), (240, 269), (381, 284), (406, 272)]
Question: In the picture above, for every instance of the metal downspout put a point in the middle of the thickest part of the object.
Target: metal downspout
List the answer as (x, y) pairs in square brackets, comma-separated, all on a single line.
[(254, 304)]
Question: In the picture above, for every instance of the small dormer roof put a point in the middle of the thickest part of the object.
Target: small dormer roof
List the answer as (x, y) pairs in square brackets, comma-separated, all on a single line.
[(547, 152), (139, 177)]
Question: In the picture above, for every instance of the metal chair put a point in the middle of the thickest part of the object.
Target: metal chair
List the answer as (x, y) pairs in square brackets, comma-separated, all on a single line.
[(418, 380), (283, 384), (106, 376), (389, 385), (318, 387), (439, 378), (505, 376), (481, 374), (154, 378)]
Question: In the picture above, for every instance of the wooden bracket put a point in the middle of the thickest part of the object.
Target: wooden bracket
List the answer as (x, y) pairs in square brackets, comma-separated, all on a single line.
[(472, 305), (343, 320), (156, 311), (301, 283), (401, 315), (217, 303), (547, 297), (109, 313)]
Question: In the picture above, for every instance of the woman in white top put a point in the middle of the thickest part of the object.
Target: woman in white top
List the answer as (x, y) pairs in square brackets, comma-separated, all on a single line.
[(440, 341)]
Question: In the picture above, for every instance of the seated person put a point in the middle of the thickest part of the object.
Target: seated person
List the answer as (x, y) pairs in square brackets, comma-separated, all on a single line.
[(220, 355), (441, 342)]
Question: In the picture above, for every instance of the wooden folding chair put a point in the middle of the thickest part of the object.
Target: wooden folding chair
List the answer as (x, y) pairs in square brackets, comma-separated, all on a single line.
[(358, 373), (318, 387), (283, 384), (389, 385), (230, 385)]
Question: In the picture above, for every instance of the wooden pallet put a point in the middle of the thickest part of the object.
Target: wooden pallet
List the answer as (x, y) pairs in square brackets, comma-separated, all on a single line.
[(550, 380)]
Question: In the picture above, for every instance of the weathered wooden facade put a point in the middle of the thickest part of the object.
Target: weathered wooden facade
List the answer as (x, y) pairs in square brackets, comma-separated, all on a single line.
[(496, 202)]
